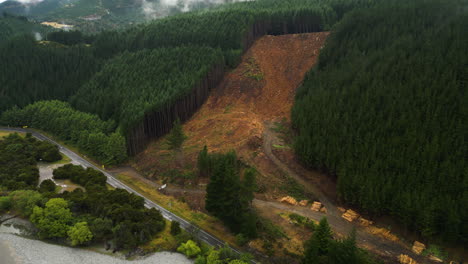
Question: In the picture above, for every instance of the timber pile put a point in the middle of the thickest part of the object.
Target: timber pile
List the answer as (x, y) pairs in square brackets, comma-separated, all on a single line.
[(303, 203), (418, 247), (341, 209), (365, 222), (288, 200), (316, 206), (436, 259), (350, 215), (382, 232), (405, 259), (323, 210)]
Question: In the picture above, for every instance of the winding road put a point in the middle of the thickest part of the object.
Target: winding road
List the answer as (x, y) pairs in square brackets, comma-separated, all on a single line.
[(112, 181)]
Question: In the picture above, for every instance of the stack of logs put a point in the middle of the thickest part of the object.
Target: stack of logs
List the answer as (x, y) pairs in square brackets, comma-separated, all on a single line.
[(316, 206)]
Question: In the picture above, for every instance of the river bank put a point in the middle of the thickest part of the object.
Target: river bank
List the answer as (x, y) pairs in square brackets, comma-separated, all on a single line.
[(17, 248)]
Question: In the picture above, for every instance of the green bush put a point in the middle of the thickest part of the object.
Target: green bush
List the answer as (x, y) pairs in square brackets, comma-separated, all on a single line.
[(175, 228), (5, 203), (190, 249)]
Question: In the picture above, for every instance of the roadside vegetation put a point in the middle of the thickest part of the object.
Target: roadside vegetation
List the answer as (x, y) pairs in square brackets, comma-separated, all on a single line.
[(18, 160), (80, 217), (85, 131)]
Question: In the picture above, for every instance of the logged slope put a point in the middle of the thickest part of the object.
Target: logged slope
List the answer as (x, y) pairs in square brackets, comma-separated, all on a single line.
[(229, 30), (386, 112), (261, 88)]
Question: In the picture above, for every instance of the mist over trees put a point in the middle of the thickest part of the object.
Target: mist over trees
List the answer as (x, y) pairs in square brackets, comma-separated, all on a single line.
[(385, 112)]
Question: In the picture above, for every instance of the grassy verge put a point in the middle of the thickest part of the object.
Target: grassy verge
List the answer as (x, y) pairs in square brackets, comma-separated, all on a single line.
[(4, 133), (70, 147), (65, 160), (281, 147), (203, 221), (295, 190), (164, 241)]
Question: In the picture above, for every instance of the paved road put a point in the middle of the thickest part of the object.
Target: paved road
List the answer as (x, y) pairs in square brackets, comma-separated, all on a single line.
[(112, 181)]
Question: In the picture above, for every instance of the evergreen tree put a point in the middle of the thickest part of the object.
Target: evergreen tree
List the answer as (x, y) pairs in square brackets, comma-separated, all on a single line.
[(203, 162), (176, 137), (175, 228), (227, 197), (322, 249)]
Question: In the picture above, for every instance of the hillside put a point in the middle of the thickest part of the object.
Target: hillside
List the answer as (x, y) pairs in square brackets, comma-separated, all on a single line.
[(92, 16), (259, 91), (385, 112), (11, 26), (248, 112), (350, 104)]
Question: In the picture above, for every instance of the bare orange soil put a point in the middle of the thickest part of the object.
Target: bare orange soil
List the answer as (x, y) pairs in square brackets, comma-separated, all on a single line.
[(260, 89)]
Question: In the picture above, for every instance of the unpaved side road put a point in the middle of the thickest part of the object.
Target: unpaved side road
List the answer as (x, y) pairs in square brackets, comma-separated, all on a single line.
[(386, 248)]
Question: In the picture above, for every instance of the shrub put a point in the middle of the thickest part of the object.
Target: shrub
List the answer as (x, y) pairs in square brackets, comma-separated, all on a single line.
[(175, 228), (190, 249)]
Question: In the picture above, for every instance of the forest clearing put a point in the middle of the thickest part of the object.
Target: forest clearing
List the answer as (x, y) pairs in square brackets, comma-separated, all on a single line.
[(250, 115)]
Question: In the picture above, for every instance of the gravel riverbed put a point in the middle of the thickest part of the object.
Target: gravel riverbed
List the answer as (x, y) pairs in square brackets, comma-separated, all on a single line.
[(16, 249)]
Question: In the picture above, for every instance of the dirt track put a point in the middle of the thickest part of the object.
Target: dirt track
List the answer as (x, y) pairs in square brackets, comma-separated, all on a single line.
[(241, 111), (388, 250)]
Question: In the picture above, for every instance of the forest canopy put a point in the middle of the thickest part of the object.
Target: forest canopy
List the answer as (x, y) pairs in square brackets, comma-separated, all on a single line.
[(87, 131), (146, 77), (385, 111)]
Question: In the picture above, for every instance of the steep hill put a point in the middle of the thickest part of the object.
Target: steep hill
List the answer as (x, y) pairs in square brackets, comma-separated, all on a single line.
[(260, 90), (385, 112), (93, 16)]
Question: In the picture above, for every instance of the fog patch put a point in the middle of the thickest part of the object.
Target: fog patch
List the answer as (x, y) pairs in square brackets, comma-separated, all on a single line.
[(37, 36), (160, 8)]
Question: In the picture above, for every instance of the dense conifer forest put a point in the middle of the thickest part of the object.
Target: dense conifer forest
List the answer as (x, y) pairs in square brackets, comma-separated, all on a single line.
[(86, 131), (155, 85), (32, 71), (11, 26), (385, 112), (96, 73)]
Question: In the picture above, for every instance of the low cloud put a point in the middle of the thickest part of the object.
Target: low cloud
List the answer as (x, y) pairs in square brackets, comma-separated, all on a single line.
[(25, 2), (155, 9)]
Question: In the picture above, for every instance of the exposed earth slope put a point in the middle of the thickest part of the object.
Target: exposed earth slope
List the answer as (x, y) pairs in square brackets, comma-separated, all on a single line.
[(260, 89), (249, 112)]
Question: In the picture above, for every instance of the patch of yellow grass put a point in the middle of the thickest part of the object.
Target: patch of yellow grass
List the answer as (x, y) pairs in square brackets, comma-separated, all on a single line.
[(203, 221), (70, 185), (164, 241), (65, 160), (4, 133)]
